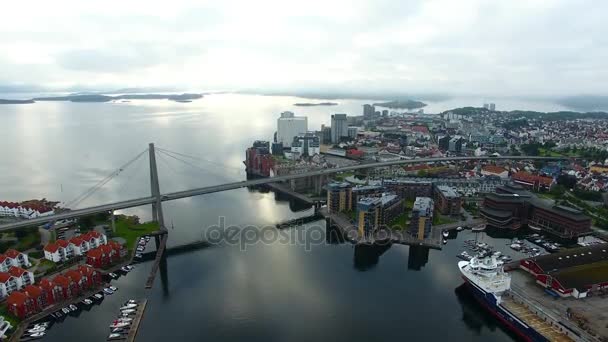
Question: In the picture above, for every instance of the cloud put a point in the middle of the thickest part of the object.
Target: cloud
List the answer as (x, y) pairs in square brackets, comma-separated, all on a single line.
[(542, 47)]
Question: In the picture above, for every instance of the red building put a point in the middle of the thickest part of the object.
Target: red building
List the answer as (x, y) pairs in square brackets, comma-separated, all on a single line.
[(37, 295), (531, 181), (20, 305), (92, 277), (258, 160), (67, 287), (573, 272), (53, 292), (78, 282)]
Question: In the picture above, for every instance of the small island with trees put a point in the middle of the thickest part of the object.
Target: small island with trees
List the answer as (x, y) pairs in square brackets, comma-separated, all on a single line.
[(309, 104), (401, 104)]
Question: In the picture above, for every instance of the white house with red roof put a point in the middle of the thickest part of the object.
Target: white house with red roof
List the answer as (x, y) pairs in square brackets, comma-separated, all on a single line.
[(15, 279), (28, 211), (13, 258), (62, 250), (493, 170)]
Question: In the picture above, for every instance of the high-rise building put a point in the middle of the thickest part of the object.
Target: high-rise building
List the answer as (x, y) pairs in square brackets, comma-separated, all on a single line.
[(258, 160), (455, 144), (385, 113), (368, 111), (422, 218), (492, 106), (289, 126), (306, 144), (339, 197), (339, 127), (325, 135)]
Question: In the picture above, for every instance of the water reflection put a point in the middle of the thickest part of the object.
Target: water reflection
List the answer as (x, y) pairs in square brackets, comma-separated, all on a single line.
[(368, 255), (417, 258), (473, 317)]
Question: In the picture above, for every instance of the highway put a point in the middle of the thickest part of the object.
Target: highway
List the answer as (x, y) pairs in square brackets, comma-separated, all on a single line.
[(237, 185)]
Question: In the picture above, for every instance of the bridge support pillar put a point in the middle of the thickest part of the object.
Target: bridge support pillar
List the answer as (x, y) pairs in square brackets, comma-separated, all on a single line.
[(113, 221), (157, 208)]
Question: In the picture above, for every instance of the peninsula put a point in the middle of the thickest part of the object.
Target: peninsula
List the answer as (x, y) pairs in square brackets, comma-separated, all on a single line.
[(186, 97), (400, 104)]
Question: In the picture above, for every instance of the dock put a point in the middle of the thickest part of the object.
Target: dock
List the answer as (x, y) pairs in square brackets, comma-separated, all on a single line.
[(138, 316), (546, 328)]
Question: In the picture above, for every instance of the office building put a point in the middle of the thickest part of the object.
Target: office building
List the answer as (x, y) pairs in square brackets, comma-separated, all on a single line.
[(421, 219), (392, 207), (306, 145), (339, 197), (409, 190), (352, 132), (447, 200), (455, 144), (325, 135), (339, 127), (289, 126), (368, 111), (385, 113)]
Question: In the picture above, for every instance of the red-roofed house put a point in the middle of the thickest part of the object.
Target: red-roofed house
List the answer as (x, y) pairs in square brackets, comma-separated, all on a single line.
[(17, 258), (7, 284), (59, 251), (96, 258), (90, 274), (77, 279), (52, 291), (20, 305), (78, 245), (23, 277), (37, 295), (493, 170), (95, 239), (67, 286)]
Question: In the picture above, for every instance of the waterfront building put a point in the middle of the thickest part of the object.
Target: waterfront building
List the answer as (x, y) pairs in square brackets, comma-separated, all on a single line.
[(103, 256), (447, 200), (361, 191), (513, 207), (339, 127), (306, 144), (53, 292), (258, 160), (368, 215), (573, 272), (368, 111), (392, 207), (339, 197), (13, 258), (37, 295), (20, 305), (289, 126), (61, 250), (421, 219)]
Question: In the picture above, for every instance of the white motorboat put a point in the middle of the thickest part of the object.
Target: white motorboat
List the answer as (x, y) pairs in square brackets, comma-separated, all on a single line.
[(128, 306), (107, 290), (98, 296), (113, 275), (131, 301), (73, 307), (459, 228), (118, 324), (515, 246), (113, 288), (445, 233), (128, 311), (125, 319), (37, 335), (87, 301), (138, 255), (36, 330), (125, 269), (65, 311), (115, 337)]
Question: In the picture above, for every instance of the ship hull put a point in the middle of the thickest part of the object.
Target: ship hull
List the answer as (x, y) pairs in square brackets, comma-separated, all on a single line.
[(508, 319)]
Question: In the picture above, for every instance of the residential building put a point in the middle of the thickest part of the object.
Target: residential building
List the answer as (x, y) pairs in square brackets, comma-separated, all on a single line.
[(20, 305), (455, 144), (391, 208), (25, 211), (421, 219), (339, 127), (368, 215), (61, 250), (531, 181), (306, 144), (258, 160), (13, 258), (447, 200), (409, 190), (339, 197), (15, 279), (352, 132), (368, 111), (361, 191), (289, 126)]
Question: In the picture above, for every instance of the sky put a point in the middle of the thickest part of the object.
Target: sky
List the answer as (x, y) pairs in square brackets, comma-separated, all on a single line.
[(528, 47)]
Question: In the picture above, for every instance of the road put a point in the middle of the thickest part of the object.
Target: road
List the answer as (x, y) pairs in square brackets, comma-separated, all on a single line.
[(237, 185)]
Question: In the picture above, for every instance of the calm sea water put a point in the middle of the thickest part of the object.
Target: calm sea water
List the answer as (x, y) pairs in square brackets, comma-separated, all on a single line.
[(268, 292)]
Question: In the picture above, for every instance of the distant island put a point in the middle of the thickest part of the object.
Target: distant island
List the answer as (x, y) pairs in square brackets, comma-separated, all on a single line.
[(106, 98), (310, 104), (400, 104), (15, 101), (530, 114)]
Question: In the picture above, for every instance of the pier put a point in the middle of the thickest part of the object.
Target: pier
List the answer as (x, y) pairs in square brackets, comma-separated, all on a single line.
[(278, 187), (138, 316), (299, 221)]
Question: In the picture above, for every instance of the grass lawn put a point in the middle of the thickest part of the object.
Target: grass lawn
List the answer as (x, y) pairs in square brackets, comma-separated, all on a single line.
[(400, 222), (549, 153), (14, 321), (343, 175), (131, 232), (440, 219), (31, 240)]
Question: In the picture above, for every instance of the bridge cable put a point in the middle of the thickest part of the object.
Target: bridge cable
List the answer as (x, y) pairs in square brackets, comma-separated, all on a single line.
[(195, 166), (80, 198), (201, 159)]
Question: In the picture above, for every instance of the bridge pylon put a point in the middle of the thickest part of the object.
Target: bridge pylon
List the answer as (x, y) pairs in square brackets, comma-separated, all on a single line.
[(157, 206)]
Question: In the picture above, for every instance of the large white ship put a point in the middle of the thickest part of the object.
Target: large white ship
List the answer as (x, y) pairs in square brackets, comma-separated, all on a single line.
[(488, 283)]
